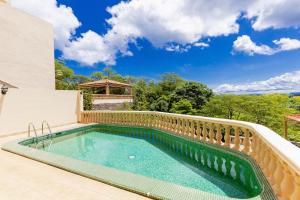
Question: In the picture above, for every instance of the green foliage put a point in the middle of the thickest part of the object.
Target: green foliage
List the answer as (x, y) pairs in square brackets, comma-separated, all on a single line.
[(223, 106), (87, 101), (197, 93), (97, 76), (108, 72), (169, 82), (161, 104), (183, 106), (295, 103), (268, 110), (63, 75)]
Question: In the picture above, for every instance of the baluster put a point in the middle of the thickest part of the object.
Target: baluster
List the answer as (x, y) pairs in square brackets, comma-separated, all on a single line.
[(296, 192), (266, 161), (278, 177), (227, 136), (198, 130), (219, 135), (246, 144), (287, 184), (183, 127), (237, 138), (176, 125), (204, 132), (190, 123), (211, 133)]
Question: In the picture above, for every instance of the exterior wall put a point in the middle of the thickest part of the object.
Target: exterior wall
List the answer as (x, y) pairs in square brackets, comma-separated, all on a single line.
[(26, 49), (19, 107)]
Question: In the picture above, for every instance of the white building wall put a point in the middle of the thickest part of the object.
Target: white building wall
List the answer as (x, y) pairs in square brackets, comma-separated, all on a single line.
[(26, 49), (19, 107)]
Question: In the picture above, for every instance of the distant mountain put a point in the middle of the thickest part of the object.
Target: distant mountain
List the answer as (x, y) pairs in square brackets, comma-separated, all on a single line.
[(295, 94)]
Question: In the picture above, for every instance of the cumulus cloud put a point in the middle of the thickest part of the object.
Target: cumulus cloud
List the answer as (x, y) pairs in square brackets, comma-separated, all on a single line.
[(246, 45), (89, 49), (288, 82), (201, 44), (274, 14), (60, 16)]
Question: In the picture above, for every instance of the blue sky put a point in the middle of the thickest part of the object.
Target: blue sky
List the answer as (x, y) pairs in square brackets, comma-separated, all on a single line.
[(239, 47)]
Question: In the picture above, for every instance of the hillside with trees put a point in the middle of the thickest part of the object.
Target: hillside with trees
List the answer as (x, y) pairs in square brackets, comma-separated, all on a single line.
[(172, 93)]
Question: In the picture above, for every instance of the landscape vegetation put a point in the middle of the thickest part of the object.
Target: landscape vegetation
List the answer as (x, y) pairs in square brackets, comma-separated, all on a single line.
[(171, 93)]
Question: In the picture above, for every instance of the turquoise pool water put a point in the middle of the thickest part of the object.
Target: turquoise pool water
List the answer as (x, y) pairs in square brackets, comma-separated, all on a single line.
[(144, 154)]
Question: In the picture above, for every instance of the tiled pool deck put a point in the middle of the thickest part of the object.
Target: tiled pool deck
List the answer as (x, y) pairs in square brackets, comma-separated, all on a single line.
[(22, 178)]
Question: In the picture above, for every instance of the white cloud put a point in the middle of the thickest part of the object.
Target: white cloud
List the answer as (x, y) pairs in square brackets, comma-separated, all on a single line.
[(177, 48), (180, 21), (201, 44), (288, 82), (286, 44), (274, 14), (89, 49), (246, 45), (60, 16)]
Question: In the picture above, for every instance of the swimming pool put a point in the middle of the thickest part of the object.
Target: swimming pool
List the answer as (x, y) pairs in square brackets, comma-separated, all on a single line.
[(150, 162)]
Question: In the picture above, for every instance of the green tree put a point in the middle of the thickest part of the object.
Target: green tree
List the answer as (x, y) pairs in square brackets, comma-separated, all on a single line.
[(87, 100), (197, 93), (108, 72), (224, 106), (161, 104), (169, 82), (295, 103), (63, 75), (140, 101), (183, 106), (97, 76)]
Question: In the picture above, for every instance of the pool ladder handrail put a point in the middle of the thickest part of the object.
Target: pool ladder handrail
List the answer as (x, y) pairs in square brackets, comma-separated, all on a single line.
[(49, 129), (31, 125)]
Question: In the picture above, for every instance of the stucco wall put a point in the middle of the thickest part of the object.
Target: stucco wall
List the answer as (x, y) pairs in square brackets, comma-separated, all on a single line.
[(26, 49), (19, 107)]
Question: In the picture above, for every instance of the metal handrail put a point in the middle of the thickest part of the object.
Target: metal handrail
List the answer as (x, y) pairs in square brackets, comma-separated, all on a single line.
[(29, 129), (47, 124), (34, 130)]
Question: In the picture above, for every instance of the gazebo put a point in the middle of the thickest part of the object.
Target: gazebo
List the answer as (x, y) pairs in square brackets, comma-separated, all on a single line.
[(108, 100), (106, 83), (294, 118)]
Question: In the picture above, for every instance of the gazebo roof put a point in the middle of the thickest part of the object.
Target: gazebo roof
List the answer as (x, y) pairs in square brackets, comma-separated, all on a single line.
[(104, 83)]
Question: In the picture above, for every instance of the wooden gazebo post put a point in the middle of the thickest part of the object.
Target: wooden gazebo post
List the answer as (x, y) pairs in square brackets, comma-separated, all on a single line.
[(107, 89)]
